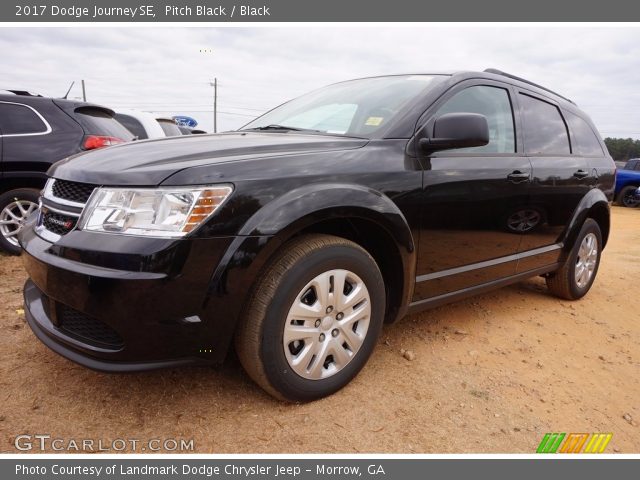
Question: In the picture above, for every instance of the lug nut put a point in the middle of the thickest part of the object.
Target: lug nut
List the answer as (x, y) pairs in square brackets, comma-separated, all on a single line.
[(334, 332), (318, 322), (329, 309), (340, 316), (322, 337)]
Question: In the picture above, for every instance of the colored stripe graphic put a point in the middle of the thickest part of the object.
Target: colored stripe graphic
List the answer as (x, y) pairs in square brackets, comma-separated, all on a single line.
[(598, 442), (550, 442), (573, 442)]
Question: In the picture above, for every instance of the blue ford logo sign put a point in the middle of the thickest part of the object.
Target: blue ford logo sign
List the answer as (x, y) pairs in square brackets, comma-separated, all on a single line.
[(185, 121)]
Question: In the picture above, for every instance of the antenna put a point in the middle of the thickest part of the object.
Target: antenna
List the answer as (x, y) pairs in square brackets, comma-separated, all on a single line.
[(69, 91)]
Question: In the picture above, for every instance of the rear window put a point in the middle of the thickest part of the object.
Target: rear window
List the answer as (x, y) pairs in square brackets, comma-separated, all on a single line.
[(96, 121), (133, 125), (583, 140), (20, 120), (169, 128), (545, 132)]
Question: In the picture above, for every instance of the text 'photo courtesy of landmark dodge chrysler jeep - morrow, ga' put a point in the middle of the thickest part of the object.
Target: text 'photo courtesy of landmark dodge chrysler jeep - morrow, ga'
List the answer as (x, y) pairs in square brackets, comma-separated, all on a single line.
[(296, 237)]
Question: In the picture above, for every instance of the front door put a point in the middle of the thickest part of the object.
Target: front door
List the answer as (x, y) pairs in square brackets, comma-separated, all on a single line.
[(470, 229)]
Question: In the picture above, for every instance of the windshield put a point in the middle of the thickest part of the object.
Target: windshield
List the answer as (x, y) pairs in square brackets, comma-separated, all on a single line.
[(355, 108)]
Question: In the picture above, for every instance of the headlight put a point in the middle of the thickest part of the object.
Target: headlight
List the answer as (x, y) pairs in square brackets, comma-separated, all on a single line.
[(156, 212)]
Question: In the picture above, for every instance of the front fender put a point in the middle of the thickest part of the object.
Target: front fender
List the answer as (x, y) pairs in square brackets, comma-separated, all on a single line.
[(312, 202), (264, 233)]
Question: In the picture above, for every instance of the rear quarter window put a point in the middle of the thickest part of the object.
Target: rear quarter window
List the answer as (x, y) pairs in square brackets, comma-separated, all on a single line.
[(583, 140), (96, 121), (18, 119), (545, 132)]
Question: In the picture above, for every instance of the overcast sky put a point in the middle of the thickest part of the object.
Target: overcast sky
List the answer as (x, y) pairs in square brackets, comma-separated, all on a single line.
[(168, 70)]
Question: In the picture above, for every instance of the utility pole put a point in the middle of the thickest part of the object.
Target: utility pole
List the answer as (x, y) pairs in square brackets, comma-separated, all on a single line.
[(215, 105), (84, 93)]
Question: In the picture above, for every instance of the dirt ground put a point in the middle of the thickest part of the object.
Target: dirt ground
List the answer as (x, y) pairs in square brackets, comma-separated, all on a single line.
[(490, 374)]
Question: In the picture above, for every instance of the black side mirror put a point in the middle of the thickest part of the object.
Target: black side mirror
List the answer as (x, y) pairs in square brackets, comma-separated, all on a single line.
[(457, 130)]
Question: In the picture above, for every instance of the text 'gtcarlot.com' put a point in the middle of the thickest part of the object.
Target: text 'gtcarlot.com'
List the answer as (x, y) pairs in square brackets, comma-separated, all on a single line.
[(45, 442)]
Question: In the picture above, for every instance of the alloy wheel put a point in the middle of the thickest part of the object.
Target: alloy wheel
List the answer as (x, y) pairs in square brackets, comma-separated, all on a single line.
[(13, 217), (586, 260)]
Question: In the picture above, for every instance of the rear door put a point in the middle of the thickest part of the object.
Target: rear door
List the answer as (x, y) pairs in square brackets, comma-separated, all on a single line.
[(469, 195), (559, 179), (26, 140)]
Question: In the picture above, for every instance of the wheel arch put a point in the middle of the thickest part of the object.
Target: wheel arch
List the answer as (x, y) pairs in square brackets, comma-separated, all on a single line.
[(362, 215), (593, 205)]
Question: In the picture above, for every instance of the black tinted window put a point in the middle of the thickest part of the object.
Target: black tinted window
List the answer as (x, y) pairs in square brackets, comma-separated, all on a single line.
[(133, 125), (169, 128), (494, 104), (19, 119), (96, 121), (583, 140), (544, 129)]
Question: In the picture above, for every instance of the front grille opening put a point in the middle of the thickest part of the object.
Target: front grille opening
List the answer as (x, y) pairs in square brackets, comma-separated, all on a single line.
[(58, 223), (88, 329), (72, 191)]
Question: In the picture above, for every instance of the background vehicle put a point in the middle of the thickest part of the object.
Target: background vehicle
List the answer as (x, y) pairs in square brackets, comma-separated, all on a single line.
[(627, 181), (143, 125), (190, 131), (298, 236), (35, 132), (169, 127)]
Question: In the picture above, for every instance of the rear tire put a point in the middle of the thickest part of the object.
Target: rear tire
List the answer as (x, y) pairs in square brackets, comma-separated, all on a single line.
[(15, 207), (574, 279), (301, 341), (626, 197)]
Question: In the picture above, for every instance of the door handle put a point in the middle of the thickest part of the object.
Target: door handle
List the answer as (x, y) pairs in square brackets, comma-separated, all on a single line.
[(581, 174), (518, 177)]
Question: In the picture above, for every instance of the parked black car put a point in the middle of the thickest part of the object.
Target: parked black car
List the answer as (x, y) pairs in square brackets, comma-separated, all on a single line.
[(302, 233), (35, 132)]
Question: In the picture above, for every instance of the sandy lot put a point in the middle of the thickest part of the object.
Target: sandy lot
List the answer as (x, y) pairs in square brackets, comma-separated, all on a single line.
[(490, 374)]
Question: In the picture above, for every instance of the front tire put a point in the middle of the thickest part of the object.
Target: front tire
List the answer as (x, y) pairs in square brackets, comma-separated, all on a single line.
[(15, 207), (575, 277), (313, 318)]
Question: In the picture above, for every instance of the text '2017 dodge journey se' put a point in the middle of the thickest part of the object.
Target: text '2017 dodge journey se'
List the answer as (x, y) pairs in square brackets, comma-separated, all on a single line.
[(299, 235)]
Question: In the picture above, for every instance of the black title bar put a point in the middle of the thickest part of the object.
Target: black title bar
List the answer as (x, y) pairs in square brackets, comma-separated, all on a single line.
[(161, 11)]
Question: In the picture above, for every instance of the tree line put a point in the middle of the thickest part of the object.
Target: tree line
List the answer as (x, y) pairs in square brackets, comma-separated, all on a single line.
[(623, 148)]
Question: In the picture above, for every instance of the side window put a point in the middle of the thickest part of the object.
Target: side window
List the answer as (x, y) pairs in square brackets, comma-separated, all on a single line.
[(583, 140), (19, 119), (133, 125), (494, 104), (544, 129)]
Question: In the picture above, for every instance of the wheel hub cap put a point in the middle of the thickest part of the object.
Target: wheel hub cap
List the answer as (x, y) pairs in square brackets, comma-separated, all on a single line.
[(327, 324)]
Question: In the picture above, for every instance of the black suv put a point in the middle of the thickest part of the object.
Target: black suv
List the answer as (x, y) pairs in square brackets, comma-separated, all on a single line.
[(35, 132), (299, 235)]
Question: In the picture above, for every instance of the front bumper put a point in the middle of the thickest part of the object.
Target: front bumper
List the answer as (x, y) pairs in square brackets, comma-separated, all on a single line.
[(108, 310)]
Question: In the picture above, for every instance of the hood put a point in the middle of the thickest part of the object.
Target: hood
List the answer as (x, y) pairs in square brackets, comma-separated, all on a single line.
[(150, 162)]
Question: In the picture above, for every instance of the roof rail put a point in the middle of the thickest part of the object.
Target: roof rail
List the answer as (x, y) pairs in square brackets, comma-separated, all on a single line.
[(24, 93), (495, 71)]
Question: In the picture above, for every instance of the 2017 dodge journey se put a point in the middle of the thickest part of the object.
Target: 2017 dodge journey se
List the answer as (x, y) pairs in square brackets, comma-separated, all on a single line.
[(296, 237)]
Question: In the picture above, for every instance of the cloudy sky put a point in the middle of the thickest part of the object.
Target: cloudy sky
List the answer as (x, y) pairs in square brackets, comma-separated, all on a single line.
[(169, 70)]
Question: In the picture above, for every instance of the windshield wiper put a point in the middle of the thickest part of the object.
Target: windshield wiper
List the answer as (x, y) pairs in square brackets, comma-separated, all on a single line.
[(283, 127)]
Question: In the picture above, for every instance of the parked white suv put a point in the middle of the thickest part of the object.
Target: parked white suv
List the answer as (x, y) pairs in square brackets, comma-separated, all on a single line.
[(142, 124)]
